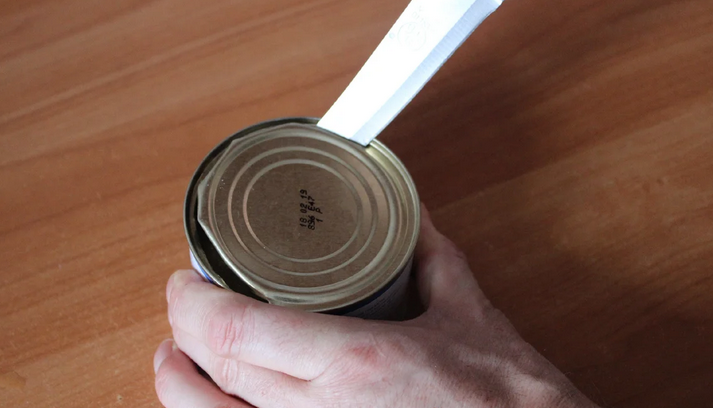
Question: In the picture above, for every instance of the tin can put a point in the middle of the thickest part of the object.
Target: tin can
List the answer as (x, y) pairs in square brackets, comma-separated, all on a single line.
[(294, 215)]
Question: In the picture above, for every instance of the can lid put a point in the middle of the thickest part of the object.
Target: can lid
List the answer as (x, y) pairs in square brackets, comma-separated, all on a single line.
[(307, 218)]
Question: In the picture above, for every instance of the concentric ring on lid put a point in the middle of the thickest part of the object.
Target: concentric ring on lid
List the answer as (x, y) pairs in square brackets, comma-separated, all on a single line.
[(307, 218)]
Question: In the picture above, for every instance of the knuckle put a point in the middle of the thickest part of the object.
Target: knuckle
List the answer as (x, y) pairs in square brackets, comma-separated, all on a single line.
[(460, 256), (497, 320), (372, 358), (363, 351), (456, 273), (229, 326), (452, 250), (377, 351), (225, 372), (396, 344)]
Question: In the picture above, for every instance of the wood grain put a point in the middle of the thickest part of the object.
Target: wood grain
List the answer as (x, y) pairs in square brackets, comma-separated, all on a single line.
[(567, 147)]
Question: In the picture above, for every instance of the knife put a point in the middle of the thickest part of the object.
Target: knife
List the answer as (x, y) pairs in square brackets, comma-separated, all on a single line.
[(420, 42)]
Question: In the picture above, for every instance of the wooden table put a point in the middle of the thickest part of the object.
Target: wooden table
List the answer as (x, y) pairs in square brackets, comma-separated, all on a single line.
[(567, 147)]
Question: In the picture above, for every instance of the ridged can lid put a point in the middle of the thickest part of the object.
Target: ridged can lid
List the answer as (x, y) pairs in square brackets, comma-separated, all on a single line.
[(309, 219)]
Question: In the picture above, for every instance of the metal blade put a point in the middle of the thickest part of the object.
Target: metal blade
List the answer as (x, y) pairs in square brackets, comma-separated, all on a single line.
[(423, 38)]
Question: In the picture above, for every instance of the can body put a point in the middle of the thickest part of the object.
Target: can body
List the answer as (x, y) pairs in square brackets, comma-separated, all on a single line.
[(293, 215)]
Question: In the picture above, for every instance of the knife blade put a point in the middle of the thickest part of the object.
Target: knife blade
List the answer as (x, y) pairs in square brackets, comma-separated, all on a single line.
[(426, 34)]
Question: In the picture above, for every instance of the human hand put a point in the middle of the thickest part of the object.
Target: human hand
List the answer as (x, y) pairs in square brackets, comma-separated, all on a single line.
[(461, 352)]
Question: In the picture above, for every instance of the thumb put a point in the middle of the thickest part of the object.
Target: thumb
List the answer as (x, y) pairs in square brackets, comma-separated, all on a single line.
[(444, 277)]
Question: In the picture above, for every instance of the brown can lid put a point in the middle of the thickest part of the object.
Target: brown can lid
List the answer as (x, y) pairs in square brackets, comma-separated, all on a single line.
[(309, 219)]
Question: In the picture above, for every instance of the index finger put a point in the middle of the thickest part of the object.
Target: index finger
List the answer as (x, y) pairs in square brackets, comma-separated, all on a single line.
[(231, 325)]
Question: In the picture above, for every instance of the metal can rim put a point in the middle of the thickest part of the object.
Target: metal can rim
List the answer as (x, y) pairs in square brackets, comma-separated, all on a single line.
[(190, 222)]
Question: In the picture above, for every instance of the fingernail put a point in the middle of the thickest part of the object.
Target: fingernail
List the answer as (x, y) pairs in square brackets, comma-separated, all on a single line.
[(164, 350)]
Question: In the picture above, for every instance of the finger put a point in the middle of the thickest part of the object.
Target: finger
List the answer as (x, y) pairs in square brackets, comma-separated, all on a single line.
[(256, 385), (444, 277), (179, 385), (234, 326)]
